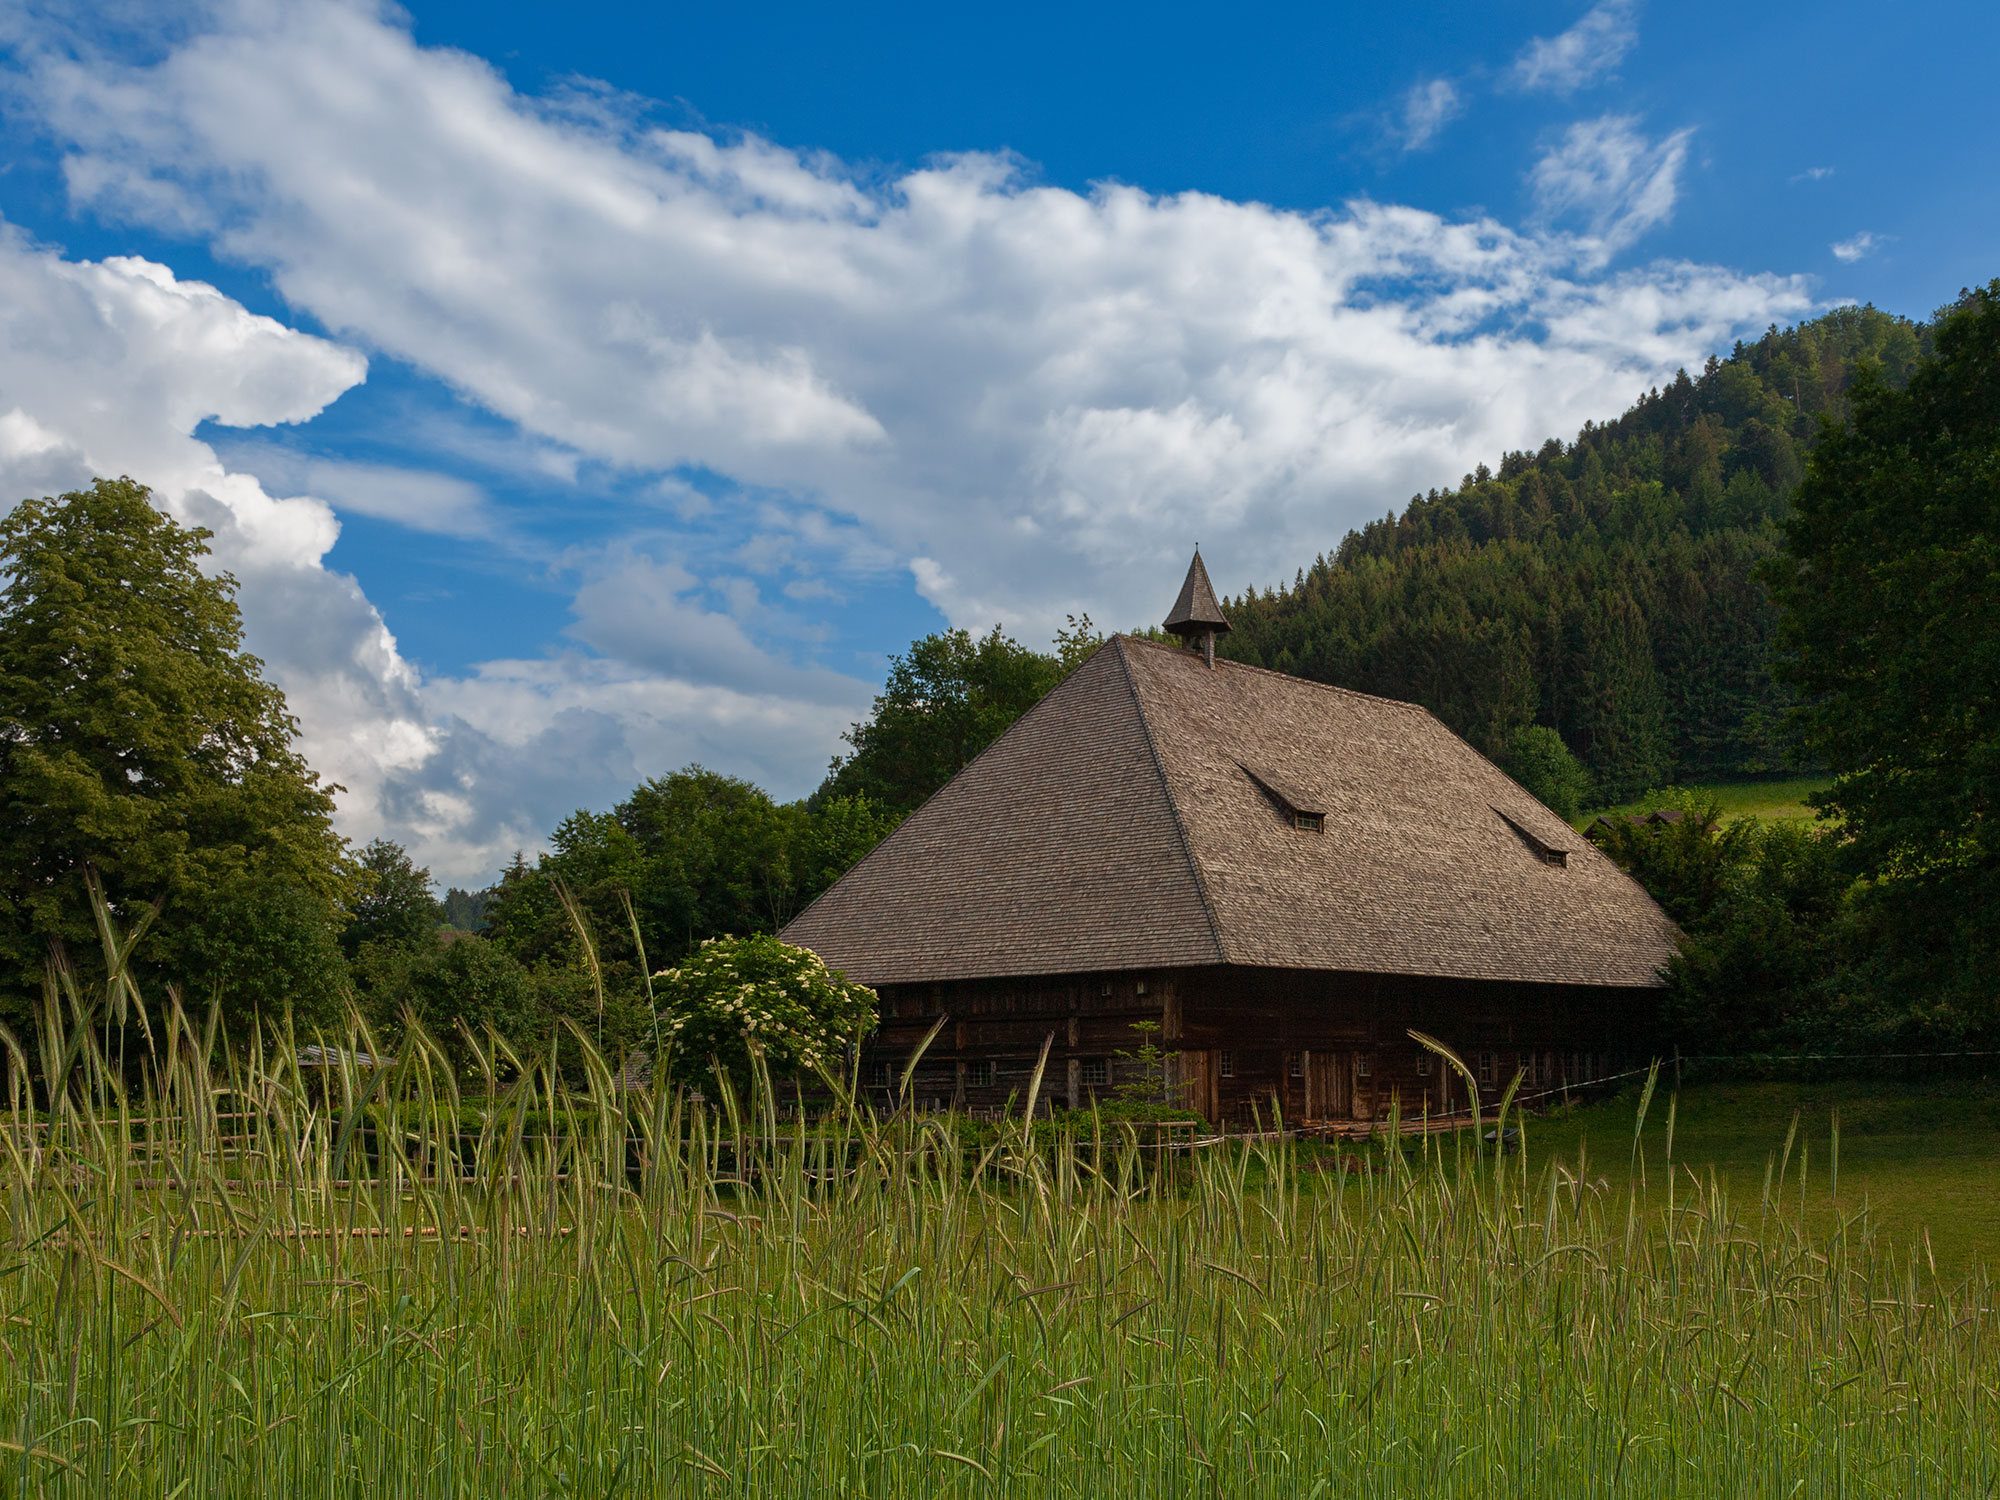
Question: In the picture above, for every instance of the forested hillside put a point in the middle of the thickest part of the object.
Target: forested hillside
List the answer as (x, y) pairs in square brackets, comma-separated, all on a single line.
[(1605, 588)]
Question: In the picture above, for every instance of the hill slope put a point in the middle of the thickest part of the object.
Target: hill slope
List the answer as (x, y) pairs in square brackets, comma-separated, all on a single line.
[(1605, 588)]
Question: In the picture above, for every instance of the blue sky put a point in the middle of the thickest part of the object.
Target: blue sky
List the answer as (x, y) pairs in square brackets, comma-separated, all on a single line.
[(581, 391)]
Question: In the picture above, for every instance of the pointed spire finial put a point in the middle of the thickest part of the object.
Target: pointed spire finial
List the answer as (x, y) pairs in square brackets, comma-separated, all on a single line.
[(1196, 615)]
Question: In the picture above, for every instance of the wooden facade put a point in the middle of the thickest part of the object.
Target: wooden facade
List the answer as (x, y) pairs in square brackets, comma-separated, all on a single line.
[(1284, 877), (1322, 1047)]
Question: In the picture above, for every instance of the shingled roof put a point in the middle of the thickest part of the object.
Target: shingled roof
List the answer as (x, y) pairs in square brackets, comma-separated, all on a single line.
[(1143, 816), (1196, 610)]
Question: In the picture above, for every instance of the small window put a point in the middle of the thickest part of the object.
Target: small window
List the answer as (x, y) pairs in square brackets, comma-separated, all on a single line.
[(1364, 1065), (1228, 1066), (978, 1075), (1104, 989), (881, 1075), (1488, 1064), (1424, 1065), (1096, 1072), (1309, 822), (1140, 988), (1295, 1064)]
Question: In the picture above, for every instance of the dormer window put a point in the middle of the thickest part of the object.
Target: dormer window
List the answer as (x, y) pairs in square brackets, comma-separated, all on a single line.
[(1305, 812), (1542, 849)]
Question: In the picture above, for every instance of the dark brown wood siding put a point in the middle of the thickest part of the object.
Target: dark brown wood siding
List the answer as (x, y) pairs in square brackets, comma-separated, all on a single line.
[(1245, 1042)]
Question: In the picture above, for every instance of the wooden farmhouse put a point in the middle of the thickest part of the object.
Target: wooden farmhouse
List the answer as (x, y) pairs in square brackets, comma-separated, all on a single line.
[(1285, 878)]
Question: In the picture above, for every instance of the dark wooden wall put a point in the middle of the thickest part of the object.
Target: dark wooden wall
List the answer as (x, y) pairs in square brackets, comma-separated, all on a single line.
[(1323, 1046)]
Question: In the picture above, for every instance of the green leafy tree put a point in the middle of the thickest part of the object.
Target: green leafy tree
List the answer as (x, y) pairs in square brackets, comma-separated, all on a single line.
[(1891, 590), (460, 991), (1769, 961), (1536, 756), (390, 901), (1684, 863), (946, 699), (735, 999), (137, 738), (835, 835), (1767, 958), (265, 947)]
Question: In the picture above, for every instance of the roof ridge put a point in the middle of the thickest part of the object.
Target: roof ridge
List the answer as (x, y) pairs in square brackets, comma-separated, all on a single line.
[(1244, 666), (911, 816), (1173, 803)]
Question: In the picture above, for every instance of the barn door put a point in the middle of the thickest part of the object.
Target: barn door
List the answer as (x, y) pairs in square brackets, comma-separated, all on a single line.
[(1327, 1085), (1197, 1077)]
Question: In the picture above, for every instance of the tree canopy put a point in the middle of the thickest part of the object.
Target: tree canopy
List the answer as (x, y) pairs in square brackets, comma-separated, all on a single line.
[(1891, 590), (685, 858), (946, 699), (138, 739)]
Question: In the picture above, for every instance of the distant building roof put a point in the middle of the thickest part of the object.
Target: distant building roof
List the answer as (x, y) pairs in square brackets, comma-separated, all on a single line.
[(1118, 825), (313, 1055)]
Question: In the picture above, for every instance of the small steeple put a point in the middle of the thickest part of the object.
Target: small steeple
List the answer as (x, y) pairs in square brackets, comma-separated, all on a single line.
[(1196, 615)]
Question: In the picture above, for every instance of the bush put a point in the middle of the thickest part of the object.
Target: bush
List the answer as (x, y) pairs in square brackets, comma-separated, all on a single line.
[(735, 999), (1536, 757), (1768, 932), (469, 986)]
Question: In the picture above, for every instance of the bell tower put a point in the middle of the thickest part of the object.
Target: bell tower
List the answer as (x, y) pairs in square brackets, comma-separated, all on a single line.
[(1195, 615)]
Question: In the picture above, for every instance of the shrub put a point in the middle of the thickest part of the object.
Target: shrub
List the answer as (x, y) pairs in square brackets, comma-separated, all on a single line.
[(1536, 757), (735, 999)]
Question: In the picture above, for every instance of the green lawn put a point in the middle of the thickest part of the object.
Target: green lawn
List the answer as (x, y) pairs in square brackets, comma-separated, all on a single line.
[(1920, 1159), (1739, 799)]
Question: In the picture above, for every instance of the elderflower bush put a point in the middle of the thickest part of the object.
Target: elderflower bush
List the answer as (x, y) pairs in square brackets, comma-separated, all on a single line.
[(735, 998)]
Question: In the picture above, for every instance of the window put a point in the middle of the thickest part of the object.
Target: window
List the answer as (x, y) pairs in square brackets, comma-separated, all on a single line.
[(1228, 1065), (1141, 988), (1295, 1064), (1488, 1062), (1424, 1064), (1364, 1065), (881, 1075), (1096, 1072), (1104, 989), (1530, 1076), (1309, 822), (978, 1074)]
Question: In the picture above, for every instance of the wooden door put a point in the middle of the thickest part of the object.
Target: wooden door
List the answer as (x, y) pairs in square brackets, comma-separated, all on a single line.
[(1197, 1081), (1328, 1079)]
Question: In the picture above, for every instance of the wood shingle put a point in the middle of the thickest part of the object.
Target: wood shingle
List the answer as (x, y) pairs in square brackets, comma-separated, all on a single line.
[(1116, 826)]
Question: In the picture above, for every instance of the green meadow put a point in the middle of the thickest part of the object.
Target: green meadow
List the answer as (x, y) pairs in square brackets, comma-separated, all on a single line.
[(245, 1278), (1768, 801), (1922, 1160)]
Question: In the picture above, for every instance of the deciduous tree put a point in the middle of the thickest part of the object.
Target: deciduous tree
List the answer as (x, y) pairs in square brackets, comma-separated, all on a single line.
[(137, 737)]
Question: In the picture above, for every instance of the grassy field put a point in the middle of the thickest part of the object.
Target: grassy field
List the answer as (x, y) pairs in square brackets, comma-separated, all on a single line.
[(1768, 800), (1923, 1160), (222, 1287)]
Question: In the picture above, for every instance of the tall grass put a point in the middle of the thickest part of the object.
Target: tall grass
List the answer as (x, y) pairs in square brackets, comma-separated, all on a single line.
[(239, 1278)]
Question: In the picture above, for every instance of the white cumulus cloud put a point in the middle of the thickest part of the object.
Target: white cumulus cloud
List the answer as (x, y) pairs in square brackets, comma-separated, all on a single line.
[(1030, 400), (107, 368), (1859, 247), (1582, 55)]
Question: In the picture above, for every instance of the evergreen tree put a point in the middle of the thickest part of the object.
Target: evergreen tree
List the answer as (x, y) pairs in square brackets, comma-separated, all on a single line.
[(1607, 588), (1891, 586)]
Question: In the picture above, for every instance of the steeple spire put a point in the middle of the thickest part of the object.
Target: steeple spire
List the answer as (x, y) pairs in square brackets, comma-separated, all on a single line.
[(1196, 615)]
